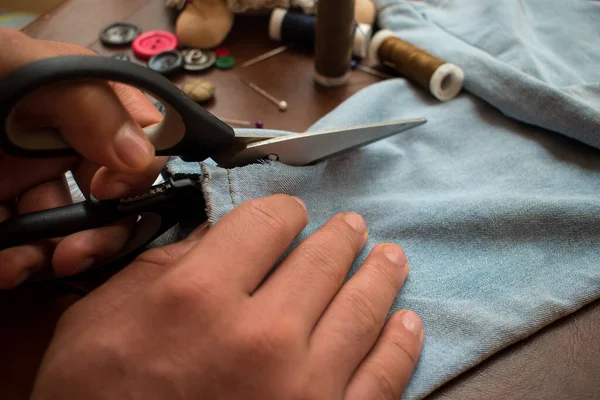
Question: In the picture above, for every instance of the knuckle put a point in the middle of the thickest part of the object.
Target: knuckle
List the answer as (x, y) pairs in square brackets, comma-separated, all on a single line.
[(385, 383), (270, 340), (260, 212), (402, 349), (383, 272), (364, 307), (179, 297), (323, 257), (159, 256), (343, 232)]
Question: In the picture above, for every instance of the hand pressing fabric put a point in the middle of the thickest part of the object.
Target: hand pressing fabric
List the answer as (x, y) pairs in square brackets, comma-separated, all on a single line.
[(103, 123), (203, 318)]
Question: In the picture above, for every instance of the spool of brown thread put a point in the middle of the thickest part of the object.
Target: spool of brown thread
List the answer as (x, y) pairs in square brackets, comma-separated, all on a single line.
[(334, 41), (444, 80)]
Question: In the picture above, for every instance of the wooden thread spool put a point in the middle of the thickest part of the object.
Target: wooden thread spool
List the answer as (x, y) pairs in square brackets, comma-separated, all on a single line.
[(334, 42), (442, 79)]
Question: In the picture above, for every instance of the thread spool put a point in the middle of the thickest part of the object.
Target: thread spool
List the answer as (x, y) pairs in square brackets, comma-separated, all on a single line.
[(443, 80), (300, 29), (333, 41)]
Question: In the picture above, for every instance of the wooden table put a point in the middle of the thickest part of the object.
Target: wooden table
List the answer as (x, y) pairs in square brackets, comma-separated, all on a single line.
[(562, 361)]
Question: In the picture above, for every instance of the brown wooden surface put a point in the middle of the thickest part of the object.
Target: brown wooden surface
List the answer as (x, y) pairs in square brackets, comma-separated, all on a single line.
[(562, 361)]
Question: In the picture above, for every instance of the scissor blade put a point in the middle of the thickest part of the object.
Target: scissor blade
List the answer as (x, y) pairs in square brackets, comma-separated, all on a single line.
[(306, 148), (250, 137)]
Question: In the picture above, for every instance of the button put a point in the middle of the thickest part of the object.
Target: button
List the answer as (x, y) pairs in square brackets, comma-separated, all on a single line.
[(166, 62), (225, 62), (151, 43), (197, 60), (199, 90), (221, 52), (119, 34)]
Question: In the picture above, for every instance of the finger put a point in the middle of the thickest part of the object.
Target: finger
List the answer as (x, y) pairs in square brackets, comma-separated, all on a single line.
[(24, 49), (353, 320), (386, 371), (89, 115), (82, 250), (107, 184), (113, 138), (247, 243), (79, 251), (311, 275), (51, 194), (19, 263), (84, 173), (21, 174), (138, 105)]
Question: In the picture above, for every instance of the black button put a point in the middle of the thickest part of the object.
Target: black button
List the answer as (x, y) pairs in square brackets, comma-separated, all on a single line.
[(119, 34), (166, 62)]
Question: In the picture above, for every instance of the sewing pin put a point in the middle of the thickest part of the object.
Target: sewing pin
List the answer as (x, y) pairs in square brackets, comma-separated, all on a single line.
[(264, 56), (369, 70), (281, 104)]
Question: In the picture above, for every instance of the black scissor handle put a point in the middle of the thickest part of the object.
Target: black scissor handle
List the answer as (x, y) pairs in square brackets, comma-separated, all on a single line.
[(187, 130)]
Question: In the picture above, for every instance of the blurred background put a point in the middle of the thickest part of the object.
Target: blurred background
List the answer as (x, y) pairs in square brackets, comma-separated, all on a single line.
[(19, 13)]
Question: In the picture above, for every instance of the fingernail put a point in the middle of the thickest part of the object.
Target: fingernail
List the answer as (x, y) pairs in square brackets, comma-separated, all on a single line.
[(22, 277), (356, 221), (85, 264), (299, 201), (394, 254), (133, 149), (412, 322)]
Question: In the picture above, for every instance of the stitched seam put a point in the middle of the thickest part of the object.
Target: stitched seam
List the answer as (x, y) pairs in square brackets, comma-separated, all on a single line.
[(230, 188)]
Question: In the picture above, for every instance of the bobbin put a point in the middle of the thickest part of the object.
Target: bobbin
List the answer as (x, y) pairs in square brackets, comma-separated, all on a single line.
[(446, 81), (361, 36)]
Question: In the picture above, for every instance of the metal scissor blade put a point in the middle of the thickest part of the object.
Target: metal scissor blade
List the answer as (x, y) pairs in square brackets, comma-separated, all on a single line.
[(306, 148)]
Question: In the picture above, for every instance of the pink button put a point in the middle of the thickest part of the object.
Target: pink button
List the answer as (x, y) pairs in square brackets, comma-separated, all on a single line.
[(153, 42)]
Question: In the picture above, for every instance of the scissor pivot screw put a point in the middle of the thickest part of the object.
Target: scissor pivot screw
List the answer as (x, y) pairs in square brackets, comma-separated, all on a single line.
[(272, 157)]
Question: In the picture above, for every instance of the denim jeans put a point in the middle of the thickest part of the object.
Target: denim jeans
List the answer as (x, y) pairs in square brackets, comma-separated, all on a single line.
[(496, 199)]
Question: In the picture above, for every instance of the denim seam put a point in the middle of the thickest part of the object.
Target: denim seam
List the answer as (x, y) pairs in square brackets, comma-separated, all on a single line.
[(230, 187)]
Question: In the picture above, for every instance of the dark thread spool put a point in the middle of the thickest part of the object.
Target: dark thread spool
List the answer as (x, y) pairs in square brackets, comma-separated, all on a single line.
[(442, 79), (334, 41), (300, 29), (292, 27)]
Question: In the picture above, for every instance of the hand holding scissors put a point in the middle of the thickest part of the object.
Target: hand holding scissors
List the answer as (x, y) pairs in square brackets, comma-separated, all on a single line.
[(104, 123), (187, 131)]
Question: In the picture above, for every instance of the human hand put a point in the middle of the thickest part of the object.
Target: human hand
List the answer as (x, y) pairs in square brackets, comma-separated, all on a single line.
[(203, 318), (103, 122)]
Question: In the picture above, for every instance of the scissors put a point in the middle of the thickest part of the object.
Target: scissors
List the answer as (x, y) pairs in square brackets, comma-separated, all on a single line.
[(187, 131)]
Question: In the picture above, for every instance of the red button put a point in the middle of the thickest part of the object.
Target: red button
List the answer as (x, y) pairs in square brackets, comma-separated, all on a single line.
[(153, 42), (221, 52)]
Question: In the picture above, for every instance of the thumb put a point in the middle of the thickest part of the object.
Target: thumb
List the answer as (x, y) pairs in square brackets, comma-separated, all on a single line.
[(89, 115), (92, 119)]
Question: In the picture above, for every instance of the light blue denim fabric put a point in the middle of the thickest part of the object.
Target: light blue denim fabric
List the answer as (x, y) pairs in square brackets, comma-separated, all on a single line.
[(499, 216)]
